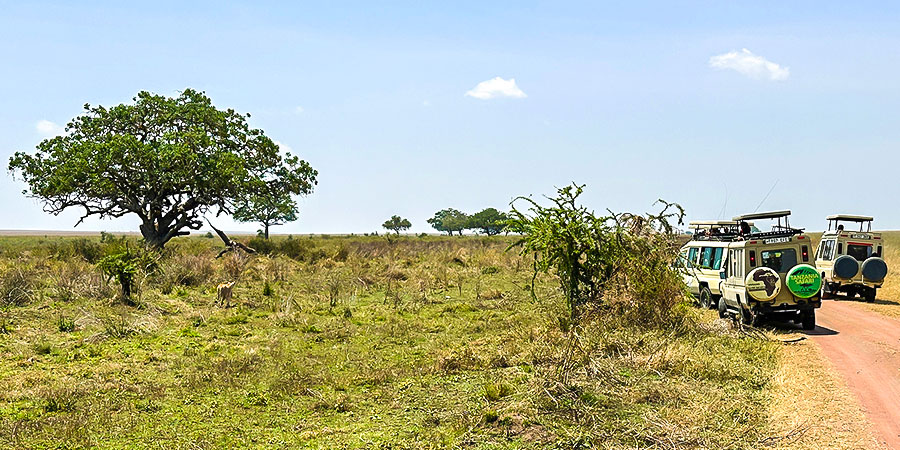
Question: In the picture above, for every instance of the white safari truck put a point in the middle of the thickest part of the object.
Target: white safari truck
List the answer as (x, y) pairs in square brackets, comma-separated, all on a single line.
[(850, 261), (770, 273), (703, 256)]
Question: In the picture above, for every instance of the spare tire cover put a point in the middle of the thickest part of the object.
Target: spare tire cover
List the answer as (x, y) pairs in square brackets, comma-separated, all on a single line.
[(874, 269), (763, 283), (845, 267), (803, 281)]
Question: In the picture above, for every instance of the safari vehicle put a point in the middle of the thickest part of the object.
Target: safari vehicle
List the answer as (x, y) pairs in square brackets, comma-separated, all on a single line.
[(702, 258), (768, 273), (851, 261)]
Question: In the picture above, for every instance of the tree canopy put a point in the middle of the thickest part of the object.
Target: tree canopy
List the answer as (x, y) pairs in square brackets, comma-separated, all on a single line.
[(449, 220), (168, 160), (274, 206), (397, 224), (488, 221)]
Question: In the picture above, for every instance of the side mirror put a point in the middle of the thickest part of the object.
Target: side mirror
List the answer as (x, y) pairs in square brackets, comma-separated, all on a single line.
[(721, 275)]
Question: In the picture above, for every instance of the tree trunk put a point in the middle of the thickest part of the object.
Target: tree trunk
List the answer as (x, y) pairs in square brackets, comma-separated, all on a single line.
[(266, 231), (157, 239), (153, 238)]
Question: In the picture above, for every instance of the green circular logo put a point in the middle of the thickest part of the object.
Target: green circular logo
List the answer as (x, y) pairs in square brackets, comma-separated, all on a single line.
[(803, 281)]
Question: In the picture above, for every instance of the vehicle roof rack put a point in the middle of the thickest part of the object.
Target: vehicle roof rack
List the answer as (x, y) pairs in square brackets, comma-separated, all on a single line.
[(715, 230), (782, 228), (865, 222), (849, 218), (762, 215), (711, 223)]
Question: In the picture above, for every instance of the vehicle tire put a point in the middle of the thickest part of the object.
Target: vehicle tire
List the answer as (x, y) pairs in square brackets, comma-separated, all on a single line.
[(874, 269), (808, 319), (706, 300), (723, 309), (870, 295), (845, 266)]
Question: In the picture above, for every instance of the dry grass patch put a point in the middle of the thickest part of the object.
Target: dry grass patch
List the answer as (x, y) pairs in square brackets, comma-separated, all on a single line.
[(811, 406)]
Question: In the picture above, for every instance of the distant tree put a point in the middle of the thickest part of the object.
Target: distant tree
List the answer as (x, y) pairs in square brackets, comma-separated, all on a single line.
[(167, 160), (449, 220), (488, 221), (274, 206), (396, 224)]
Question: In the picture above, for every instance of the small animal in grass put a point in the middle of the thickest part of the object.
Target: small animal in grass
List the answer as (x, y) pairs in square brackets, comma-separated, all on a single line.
[(223, 291)]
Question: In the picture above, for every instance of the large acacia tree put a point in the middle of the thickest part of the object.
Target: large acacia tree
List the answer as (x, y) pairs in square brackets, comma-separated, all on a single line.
[(167, 160)]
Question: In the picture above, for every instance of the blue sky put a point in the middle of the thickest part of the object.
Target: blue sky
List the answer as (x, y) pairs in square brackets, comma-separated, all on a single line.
[(640, 101)]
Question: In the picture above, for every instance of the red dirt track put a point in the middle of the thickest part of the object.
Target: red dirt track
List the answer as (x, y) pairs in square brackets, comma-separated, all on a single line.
[(865, 348)]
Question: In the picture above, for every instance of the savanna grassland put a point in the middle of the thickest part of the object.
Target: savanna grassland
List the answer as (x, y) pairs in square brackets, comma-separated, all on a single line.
[(353, 342)]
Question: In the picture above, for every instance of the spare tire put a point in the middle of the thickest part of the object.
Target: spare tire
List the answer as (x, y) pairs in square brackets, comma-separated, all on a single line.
[(803, 281), (845, 267), (763, 283), (874, 269)]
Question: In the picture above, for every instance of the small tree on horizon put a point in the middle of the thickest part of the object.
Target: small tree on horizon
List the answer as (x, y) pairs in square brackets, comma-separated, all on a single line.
[(273, 207), (397, 224), (449, 220), (489, 221)]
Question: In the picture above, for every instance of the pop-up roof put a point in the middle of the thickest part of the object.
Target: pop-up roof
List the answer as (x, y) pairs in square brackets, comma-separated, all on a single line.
[(849, 218), (762, 215), (865, 222)]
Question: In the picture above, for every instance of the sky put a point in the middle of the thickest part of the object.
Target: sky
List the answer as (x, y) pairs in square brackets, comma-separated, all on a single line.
[(411, 107)]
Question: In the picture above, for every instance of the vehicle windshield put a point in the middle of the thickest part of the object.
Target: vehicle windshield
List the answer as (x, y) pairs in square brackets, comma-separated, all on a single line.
[(780, 260), (859, 252)]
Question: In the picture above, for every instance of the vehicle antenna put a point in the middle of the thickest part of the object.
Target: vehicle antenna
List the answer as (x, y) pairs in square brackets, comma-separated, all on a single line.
[(725, 203), (767, 196)]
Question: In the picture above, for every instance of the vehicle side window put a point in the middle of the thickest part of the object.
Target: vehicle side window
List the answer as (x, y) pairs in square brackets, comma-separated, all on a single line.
[(828, 250), (692, 255), (706, 257), (717, 258)]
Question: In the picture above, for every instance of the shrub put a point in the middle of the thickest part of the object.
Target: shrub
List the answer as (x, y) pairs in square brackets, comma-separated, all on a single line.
[(65, 324), (77, 279), (189, 270), (17, 286), (235, 264), (625, 258), (263, 245)]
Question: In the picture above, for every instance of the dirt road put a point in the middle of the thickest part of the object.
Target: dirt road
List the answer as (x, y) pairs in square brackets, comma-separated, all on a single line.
[(865, 349)]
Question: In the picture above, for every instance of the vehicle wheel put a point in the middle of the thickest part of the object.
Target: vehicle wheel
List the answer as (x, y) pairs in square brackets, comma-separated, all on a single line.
[(870, 295), (808, 320), (723, 310), (706, 300)]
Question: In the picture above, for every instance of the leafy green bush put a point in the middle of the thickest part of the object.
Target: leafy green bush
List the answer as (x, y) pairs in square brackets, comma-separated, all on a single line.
[(620, 261), (65, 324)]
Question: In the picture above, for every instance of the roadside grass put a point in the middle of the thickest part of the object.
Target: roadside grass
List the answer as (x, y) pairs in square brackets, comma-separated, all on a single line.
[(357, 342), (817, 414)]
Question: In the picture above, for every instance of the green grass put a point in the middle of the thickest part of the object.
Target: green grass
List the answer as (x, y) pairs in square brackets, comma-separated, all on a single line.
[(429, 342)]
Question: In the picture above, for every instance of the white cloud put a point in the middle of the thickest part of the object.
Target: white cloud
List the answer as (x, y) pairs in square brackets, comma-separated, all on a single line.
[(497, 87), (49, 129), (753, 66), (426, 103), (299, 110)]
